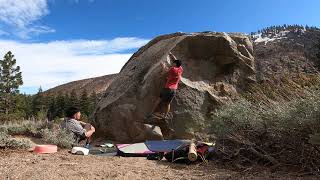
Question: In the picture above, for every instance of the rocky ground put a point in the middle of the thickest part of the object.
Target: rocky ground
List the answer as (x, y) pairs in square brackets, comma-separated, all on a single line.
[(62, 165)]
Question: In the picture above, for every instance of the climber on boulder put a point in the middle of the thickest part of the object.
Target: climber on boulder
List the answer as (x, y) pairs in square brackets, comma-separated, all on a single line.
[(174, 73)]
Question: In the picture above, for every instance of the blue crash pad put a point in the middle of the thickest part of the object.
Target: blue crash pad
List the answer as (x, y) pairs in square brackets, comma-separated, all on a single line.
[(166, 145)]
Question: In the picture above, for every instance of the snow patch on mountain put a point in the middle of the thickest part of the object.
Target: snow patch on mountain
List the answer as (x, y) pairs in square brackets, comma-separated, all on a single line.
[(277, 33), (259, 38)]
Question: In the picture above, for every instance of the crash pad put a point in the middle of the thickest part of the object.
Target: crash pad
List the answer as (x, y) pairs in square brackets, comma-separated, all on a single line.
[(166, 145), (137, 148)]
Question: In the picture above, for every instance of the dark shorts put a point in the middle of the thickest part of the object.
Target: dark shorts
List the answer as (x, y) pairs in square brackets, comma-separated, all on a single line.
[(166, 95)]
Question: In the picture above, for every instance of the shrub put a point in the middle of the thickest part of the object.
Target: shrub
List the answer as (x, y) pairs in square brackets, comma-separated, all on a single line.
[(61, 137), (3, 139), (272, 135), (7, 142), (235, 118), (18, 143), (3, 129)]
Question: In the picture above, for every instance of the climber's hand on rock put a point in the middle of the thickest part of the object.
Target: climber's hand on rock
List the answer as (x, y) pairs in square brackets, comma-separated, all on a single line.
[(164, 67)]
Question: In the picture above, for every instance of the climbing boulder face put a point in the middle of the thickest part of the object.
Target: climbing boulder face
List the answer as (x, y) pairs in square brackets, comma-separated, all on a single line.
[(217, 66)]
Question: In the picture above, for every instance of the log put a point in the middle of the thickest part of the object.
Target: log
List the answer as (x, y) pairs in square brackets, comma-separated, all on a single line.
[(192, 155)]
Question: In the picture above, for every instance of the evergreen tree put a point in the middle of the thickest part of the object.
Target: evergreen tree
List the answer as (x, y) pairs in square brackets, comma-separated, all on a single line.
[(23, 105), (10, 80), (85, 103), (51, 113), (94, 101), (93, 98), (38, 103), (60, 106), (74, 101), (27, 106)]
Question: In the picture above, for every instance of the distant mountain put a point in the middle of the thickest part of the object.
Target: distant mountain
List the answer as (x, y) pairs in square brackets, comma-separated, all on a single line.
[(285, 50), (97, 85)]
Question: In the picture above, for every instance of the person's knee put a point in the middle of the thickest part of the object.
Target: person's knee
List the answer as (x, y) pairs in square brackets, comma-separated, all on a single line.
[(89, 133), (90, 130), (88, 126)]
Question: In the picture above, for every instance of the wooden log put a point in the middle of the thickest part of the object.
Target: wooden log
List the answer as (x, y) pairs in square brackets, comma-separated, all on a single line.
[(192, 155)]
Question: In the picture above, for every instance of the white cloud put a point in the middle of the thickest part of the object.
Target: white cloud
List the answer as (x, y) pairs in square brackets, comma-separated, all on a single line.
[(34, 30), (83, 47), (21, 15), (22, 12), (3, 32), (54, 63)]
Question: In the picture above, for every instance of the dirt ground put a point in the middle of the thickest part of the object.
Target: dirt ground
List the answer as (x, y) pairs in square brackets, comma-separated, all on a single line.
[(63, 165)]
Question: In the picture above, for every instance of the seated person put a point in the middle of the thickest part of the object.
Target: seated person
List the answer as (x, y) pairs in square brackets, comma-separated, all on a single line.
[(81, 130)]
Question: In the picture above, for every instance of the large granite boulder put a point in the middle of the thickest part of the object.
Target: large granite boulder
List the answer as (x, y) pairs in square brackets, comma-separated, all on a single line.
[(216, 67)]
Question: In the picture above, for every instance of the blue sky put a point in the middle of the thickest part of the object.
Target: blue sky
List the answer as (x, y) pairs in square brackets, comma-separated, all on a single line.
[(56, 41)]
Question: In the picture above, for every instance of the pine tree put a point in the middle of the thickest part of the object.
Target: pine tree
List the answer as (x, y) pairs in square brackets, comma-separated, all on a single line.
[(38, 103), (85, 103), (93, 102), (60, 106), (23, 105), (27, 107), (52, 108), (68, 100), (10, 80), (94, 99), (74, 101)]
